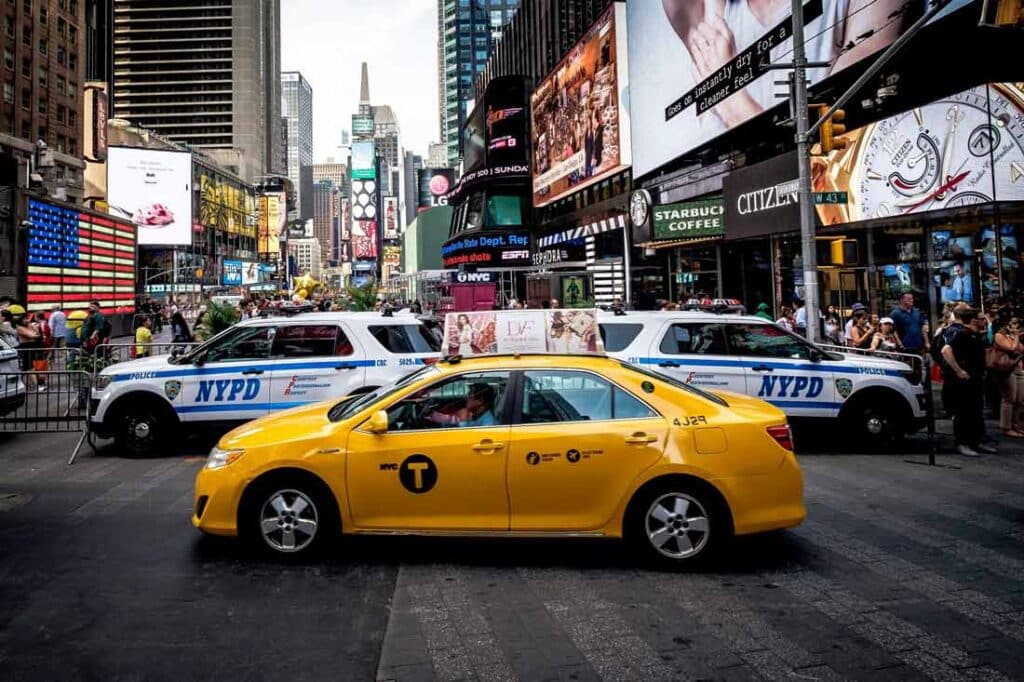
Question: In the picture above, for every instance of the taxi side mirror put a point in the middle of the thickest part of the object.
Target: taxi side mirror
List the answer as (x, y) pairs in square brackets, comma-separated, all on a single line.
[(378, 422)]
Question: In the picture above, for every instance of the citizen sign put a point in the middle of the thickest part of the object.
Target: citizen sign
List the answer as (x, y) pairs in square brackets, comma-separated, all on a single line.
[(764, 200)]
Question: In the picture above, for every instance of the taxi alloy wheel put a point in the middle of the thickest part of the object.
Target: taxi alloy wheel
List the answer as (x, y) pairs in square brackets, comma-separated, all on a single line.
[(289, 521), (677, 526)]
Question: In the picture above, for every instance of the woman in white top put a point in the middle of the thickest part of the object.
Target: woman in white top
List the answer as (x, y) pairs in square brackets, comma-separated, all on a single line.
[(465, 335)]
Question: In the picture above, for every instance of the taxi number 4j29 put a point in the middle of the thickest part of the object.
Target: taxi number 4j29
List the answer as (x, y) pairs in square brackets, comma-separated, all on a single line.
[(791, 387), (220, 390)]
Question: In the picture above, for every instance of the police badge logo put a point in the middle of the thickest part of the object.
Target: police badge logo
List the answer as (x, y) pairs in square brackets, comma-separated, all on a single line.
[(172, 389), (844, 387)]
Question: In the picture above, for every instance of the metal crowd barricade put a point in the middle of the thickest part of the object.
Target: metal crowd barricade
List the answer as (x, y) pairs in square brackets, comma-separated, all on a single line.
[(49, 390), (914, 361), (52, 401)]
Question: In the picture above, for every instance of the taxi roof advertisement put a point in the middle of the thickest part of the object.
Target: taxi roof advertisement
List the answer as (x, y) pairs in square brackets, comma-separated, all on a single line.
[(526, 331), (684, 93), (580, 113)]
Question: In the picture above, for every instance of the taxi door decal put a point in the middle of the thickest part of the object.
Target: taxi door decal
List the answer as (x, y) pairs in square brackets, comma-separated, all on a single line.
[(417, 474)]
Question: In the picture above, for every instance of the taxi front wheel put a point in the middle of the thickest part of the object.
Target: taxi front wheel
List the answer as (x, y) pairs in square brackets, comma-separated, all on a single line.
[(287, 515), (675, 525)]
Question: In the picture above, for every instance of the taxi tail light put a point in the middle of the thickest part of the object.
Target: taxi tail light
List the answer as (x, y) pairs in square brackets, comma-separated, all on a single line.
[(782, 435)]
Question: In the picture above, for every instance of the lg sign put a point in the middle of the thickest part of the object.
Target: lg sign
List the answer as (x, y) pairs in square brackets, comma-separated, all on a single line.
[(433, 185)]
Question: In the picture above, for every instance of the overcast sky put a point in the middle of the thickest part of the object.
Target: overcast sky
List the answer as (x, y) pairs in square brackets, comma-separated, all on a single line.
[(327, 40)]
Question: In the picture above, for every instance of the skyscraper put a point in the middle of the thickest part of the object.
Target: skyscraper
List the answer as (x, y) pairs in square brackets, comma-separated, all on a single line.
[(466, 31), (204, 73), (297, 107)]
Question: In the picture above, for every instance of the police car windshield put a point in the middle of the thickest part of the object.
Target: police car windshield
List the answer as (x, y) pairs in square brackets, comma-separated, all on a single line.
[(351, 405), (676, 383)]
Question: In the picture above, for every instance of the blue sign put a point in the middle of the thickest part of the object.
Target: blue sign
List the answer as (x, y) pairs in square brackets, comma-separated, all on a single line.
[(791, 387), (221, 390), (231, 273)]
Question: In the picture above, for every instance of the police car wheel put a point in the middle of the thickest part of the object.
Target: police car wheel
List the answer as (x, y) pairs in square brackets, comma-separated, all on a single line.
[(876, 426), (141, 432), (675, 525)]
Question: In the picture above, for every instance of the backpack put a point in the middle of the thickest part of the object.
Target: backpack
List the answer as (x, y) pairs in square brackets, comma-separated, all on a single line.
[(938, 343)]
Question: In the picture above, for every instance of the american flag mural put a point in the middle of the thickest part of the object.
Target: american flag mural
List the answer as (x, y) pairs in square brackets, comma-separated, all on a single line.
[(76, 257)]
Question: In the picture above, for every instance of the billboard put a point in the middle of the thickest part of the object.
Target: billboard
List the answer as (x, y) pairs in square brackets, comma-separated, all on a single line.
[(432, 184), (687, 90), (153, 189), (364, 162), (580, 115), (362, 124), (364, 239), (272, 222), (250, 273), (961, 150), (231, 273), (390, 218), (490, 250), (74, 257)]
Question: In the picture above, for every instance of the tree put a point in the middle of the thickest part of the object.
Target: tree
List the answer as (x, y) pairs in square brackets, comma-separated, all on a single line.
[(218, 317), (362, 298)]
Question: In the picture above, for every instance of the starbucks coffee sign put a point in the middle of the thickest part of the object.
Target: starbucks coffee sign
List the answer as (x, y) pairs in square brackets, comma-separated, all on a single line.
[(689, 219)]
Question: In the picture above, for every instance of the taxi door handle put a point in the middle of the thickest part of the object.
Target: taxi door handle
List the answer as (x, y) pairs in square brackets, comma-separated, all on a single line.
[(640, 438), (762, 368), (252, 371), (488, 446)]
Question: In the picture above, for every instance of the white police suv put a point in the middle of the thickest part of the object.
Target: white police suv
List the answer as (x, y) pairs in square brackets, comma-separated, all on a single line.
[(253, 368), (877, 399)]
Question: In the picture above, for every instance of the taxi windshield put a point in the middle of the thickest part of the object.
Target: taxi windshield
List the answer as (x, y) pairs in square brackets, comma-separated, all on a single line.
[(676, 383), (352, 404)]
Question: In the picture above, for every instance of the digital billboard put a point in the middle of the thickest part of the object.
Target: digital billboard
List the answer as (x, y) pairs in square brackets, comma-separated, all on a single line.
[(432, 184), (364, 162), (390, 218), (699, 69), (580, 115), (490, 250), (272, 222), (961, 150), (153, 189), (231, 273), (364, 239), (74, 257)]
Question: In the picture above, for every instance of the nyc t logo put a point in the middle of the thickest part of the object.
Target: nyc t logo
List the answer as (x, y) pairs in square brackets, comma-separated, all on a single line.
[(791, 387), (215, 390)]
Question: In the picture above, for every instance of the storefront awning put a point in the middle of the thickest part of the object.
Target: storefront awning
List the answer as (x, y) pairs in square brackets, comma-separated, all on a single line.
[(588, 230), (672, 243)]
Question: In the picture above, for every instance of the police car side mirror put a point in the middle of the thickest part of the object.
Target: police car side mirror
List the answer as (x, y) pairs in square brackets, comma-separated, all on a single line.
[(814, 355), (378, 422)]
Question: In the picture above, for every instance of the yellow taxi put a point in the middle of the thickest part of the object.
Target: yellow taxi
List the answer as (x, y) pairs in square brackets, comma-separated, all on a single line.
[(514, 445)]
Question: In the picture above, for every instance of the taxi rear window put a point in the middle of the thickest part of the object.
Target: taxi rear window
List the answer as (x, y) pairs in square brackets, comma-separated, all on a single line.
[(617, 337), (405, 338)]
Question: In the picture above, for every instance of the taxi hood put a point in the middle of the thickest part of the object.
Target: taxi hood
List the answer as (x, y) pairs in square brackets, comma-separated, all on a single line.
[(295, 424)]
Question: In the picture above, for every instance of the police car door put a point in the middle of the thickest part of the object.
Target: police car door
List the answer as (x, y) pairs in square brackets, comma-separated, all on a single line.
[(696, 353), (781, 368), (313, 362), (229, 380)]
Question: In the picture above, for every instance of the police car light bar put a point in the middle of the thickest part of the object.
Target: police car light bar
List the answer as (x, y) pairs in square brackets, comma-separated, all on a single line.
[(510, 332)]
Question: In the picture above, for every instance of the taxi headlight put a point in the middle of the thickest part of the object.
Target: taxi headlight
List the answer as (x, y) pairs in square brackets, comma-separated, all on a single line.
[(102, 381), (221, 458)]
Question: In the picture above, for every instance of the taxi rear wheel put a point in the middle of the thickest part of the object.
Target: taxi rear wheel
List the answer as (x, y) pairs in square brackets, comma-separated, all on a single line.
[(676, 525), (288, 515)]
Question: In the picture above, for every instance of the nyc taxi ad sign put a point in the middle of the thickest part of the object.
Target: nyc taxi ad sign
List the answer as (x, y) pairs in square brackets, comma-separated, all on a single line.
[(527, 331)]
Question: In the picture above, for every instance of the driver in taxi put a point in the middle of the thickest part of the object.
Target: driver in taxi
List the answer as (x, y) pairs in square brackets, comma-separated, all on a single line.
[(477, 411)]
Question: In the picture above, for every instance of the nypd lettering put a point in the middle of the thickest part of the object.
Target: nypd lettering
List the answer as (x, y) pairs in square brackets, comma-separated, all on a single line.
[(227, 390), (791, 387)]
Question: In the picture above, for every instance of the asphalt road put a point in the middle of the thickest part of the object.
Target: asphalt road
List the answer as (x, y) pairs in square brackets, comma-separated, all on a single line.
[(902, 572)]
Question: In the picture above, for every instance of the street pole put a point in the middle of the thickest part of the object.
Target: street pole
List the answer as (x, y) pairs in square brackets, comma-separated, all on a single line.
[(803, 153)]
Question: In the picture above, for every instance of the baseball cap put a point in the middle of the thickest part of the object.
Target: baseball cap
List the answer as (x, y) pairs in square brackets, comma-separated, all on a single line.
[(858, 306)]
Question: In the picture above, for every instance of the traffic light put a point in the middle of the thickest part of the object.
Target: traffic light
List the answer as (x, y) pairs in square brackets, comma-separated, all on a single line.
[(832, 130)]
